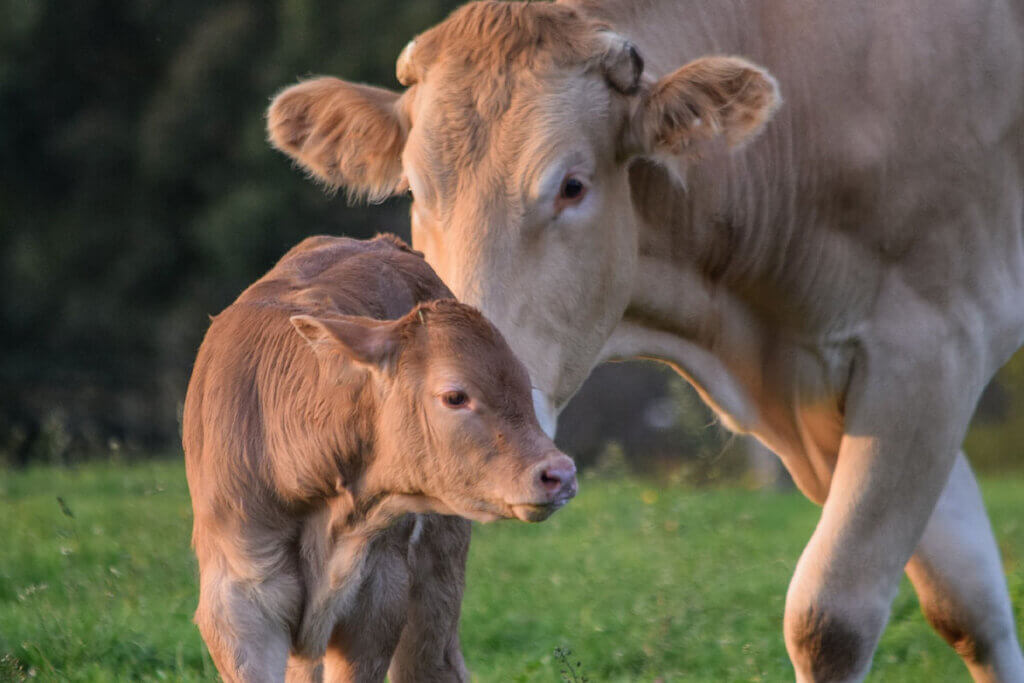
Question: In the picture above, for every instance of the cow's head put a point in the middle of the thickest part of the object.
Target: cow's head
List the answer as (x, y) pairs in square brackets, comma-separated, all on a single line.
[(454, 429), (515, 137)]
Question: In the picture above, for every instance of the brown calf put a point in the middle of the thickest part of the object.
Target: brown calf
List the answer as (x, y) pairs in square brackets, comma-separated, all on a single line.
[(341, 392)]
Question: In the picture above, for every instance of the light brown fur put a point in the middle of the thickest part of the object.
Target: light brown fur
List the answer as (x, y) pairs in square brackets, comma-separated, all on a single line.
[(314, 424)]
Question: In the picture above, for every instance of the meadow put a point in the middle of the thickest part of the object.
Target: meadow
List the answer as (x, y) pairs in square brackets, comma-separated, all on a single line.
[(641, 580)]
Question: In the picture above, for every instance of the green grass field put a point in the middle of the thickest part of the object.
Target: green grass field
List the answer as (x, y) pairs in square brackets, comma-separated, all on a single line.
[(640, 581)]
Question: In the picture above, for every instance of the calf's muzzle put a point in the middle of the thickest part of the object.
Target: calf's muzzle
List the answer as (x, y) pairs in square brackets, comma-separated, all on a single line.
[(552, 485)]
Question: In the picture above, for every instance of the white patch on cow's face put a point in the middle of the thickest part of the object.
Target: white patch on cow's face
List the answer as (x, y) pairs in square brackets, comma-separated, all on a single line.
[(552, 269)]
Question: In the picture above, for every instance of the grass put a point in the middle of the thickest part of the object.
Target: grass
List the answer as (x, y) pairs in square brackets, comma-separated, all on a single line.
[(640, 582)]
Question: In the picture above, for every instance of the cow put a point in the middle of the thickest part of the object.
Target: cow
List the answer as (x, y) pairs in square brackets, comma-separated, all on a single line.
[(813, 211), (344, 419)]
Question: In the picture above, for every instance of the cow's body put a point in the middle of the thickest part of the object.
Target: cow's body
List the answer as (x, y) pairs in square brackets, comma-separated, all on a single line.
[(842, 287), (305, 482), (889, 195)]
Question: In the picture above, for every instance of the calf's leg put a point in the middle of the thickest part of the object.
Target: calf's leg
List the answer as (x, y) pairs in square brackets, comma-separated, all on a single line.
[(247, 641), (369, 623), (959, 579), (429, 647), (304, 670)]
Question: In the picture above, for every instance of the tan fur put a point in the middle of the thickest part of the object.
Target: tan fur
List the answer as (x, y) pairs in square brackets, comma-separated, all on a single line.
[(313, 427), (499, 37), (327, 126)]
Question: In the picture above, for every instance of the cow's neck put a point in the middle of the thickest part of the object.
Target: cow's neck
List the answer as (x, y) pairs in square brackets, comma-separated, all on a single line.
[(710, 298), (671, 32), (680, 312)]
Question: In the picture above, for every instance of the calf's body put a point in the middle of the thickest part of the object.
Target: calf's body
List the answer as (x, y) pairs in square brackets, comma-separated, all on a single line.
[(341, 414)]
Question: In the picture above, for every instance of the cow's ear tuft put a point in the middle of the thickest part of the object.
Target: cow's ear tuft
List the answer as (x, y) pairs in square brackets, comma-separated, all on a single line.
[(345, 134), (366, 341), (707, 98)]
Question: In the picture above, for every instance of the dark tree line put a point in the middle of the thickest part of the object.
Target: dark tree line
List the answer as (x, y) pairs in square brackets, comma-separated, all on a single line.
[(138, 194)]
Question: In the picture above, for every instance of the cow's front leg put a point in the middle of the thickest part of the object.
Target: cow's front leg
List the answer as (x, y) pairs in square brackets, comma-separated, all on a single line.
[(959, 578), (904, 421), (429, 647)]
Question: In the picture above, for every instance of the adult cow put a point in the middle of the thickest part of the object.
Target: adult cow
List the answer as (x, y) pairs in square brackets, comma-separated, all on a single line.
[(843, 287)]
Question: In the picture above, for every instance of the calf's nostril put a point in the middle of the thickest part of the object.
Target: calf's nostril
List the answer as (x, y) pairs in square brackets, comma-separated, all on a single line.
[(558, 476), (551, 479)]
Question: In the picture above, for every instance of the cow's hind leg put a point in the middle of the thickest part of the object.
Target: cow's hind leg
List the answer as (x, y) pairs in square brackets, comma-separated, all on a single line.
[(959, 579)]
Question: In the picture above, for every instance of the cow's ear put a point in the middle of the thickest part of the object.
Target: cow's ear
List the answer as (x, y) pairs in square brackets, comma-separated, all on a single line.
[(347, 135), (369, 342), (707, 98)]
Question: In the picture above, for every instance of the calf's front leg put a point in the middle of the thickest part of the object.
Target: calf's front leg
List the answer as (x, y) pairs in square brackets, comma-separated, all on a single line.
[(895, 457), (959, 579), (428, 650)]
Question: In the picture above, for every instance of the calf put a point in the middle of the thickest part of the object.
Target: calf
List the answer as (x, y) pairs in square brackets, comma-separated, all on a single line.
[(343, 417)]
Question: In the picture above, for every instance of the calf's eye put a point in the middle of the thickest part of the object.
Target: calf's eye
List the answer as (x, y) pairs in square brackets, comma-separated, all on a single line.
[(454, 399)]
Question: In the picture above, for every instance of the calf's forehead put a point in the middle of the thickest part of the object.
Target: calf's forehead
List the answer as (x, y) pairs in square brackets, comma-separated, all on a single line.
[(474, 351)]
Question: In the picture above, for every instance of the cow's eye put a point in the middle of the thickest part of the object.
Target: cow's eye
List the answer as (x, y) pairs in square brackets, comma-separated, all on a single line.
[(573, 189), (454, 399)]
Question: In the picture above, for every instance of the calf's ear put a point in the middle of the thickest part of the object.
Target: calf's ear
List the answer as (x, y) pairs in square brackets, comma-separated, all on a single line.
[(345, 134), (366, 341), (707, 98)]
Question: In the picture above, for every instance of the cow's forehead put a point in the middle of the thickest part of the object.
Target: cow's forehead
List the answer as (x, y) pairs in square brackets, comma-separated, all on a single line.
[(502, 35), (488, 133)]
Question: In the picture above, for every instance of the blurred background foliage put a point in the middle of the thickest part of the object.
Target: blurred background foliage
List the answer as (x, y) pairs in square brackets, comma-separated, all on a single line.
[(138, 196)]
